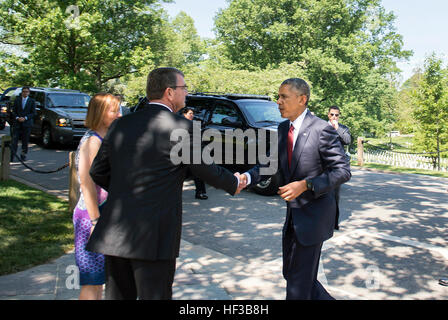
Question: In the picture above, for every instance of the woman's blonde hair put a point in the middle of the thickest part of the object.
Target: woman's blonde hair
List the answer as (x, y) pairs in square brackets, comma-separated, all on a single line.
[(98, 106)]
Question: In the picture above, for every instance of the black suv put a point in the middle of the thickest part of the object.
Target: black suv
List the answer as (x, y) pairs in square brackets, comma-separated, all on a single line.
[(228, 112), (60, 114), (5, 98)]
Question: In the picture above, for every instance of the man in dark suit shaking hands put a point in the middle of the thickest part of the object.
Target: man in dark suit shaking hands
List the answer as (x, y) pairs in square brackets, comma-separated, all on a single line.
[(311, 163), (139, 229), (23, 112)]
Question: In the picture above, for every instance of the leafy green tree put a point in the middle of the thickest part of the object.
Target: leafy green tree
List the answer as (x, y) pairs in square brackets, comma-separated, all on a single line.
[(83, 45), (184, 50), (431, 109), (346, 49), (211, 77), (405, 105), (186, 46)]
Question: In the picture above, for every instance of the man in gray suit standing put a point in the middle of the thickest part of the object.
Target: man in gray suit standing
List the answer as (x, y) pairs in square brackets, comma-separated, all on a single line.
[(311, 163), (139, 229)]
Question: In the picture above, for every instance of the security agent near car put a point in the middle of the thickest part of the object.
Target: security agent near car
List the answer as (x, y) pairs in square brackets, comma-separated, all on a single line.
[(60, 114), (226, 113)]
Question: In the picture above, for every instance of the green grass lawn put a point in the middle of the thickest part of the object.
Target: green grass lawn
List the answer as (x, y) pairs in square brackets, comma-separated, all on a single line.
[(383, 167), (400, 143), (35, 227)]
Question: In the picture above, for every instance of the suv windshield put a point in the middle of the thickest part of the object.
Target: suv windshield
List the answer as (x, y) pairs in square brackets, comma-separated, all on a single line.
[(262, 112), (68, 100)]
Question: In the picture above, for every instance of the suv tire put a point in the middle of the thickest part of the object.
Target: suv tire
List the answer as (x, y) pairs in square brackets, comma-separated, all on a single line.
[(47, 140), (268, 187)]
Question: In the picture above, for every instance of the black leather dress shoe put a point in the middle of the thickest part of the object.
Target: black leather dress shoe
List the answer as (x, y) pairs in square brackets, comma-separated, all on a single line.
[(443, 282), (202, 196)]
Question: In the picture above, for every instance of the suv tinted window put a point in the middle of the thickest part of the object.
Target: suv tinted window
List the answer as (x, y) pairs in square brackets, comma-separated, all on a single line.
[(223, 111), (39, 97), (67, 100), (201, 109), (261, 111)]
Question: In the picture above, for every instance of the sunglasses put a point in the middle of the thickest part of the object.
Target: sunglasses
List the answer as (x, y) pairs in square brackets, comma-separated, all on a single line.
[(334, 114)]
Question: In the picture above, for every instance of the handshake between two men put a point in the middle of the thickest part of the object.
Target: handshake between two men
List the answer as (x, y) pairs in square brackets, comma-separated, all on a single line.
[(288, 192)]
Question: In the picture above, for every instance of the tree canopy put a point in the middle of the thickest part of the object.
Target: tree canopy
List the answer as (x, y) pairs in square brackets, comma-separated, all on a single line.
[(430, 99), (80, 46), (346, 48)]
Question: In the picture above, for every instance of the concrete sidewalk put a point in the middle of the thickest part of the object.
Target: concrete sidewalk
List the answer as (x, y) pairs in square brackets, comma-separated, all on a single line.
[(201, 274), (393, 244)]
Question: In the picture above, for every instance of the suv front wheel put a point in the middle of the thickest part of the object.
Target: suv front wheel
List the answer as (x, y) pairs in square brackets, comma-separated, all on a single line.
[(47, 140)]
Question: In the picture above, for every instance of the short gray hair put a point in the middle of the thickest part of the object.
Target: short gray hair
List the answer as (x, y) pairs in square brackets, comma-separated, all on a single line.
[(300, 86)]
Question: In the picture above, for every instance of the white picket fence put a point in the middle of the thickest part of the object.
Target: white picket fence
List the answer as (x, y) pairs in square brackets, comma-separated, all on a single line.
[(405, 160)]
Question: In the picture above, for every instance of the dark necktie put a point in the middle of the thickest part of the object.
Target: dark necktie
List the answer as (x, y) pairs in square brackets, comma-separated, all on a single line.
[(290, 143)]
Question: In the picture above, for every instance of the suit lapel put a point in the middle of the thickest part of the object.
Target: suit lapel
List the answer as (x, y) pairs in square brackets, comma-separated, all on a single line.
[(282, 146), (304, 133)]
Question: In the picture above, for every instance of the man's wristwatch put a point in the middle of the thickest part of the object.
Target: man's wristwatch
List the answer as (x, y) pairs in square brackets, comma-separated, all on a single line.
[(309, 185)]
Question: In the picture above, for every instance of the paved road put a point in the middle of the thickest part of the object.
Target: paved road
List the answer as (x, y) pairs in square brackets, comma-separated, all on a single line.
[(392, 243)]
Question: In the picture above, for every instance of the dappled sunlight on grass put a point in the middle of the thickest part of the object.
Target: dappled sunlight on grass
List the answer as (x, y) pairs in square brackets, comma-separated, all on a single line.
[(34, 227)]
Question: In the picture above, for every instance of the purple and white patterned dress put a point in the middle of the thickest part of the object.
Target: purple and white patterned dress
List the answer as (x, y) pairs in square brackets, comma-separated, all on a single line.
[(90, 264)]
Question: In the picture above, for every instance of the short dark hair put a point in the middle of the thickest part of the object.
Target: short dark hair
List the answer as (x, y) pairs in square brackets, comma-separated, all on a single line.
[(159, 79), (335, 108), (186, 110), (26, 87), (300, 86)]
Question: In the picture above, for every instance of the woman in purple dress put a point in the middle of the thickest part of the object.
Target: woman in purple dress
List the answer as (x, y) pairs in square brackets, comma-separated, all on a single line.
[(103, 109)]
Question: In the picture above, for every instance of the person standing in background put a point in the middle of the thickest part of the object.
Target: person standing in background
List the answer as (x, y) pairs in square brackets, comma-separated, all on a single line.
[(23, 113), (334, 114), (201, 192)]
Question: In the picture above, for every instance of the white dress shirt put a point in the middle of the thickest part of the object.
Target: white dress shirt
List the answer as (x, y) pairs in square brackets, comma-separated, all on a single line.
[(24, 100)]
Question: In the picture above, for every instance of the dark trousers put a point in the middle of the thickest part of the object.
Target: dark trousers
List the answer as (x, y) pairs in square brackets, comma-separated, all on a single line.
[(300, 268), (336, 194), (129, 279), (200, 186), (21, 133)]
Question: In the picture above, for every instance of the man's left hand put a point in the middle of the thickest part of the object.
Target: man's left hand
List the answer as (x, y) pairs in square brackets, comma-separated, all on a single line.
[(292, 190)]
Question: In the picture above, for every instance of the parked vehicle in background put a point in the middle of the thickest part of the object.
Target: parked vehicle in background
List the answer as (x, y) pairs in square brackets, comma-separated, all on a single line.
[(60, 114)]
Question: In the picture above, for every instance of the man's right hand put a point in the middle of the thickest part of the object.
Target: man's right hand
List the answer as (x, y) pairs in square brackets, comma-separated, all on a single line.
[(335, 124), (242, 182)]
